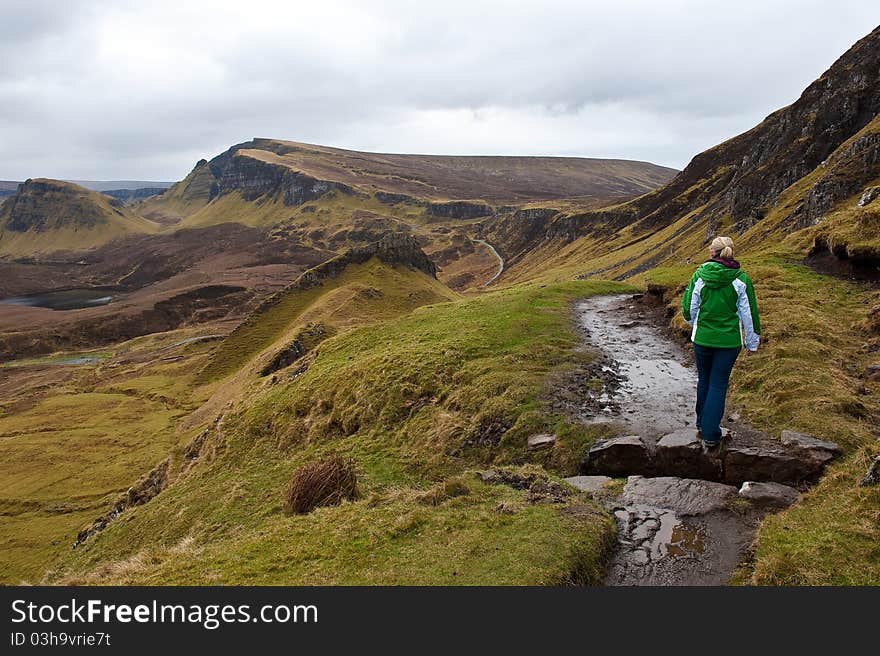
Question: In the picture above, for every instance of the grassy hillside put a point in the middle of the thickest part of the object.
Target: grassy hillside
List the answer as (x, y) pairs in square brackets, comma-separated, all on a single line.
[(50, 215), (362, 294), (73, 438), (415, 401)]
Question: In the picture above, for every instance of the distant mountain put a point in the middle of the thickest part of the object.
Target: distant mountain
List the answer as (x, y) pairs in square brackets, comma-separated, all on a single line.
[(291, 174), (7, 188), (126, 190), (132, 196), (109, 185), (50, 215)]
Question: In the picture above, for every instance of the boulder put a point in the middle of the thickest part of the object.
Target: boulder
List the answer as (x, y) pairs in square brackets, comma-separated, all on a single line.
[(619, 456), (817, 448), (588, 483), (872, 372), (684, 496), (682, 454), (868, 196), (750, 463), (873, 475), (769, 494), (541, 441)]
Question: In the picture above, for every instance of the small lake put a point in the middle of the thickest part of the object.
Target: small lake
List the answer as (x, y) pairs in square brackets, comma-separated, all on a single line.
[(69, 299)]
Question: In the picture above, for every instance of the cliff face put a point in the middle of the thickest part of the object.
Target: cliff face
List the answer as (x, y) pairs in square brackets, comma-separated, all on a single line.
[(459, 209), (41, 205), (394, 249), (255, 178)]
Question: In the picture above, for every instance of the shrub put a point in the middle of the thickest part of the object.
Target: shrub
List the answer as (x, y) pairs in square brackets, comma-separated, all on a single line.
[(326, 482)]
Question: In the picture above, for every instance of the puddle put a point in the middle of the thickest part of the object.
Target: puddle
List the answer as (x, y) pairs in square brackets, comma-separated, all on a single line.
[(81, 360), (70, 299)]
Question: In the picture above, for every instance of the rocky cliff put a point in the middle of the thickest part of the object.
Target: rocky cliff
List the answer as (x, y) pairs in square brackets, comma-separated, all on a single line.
[(41, 205), (51, 215)]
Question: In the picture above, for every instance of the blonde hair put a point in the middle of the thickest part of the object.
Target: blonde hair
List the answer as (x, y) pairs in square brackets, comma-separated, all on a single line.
[(722, 247)]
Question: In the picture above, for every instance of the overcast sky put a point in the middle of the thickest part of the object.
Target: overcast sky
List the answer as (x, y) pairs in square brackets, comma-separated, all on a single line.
[(141, 90)]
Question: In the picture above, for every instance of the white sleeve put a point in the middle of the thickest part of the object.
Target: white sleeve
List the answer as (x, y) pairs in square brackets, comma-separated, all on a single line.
[(751, 339)]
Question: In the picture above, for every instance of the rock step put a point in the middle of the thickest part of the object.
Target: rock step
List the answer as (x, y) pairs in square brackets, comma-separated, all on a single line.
[(798, 459)]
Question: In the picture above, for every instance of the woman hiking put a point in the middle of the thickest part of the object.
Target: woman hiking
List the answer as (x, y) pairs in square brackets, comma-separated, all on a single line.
[(720, 305)]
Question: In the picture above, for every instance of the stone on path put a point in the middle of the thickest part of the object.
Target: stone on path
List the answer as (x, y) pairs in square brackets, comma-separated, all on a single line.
[(619, 456), (749, 463), (588, 483), (769, 494), (681, 453), (820, 451), (685, 496)]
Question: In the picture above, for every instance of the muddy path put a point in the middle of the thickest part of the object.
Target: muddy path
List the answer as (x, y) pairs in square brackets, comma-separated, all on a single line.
[(686, 516), (652, 378)]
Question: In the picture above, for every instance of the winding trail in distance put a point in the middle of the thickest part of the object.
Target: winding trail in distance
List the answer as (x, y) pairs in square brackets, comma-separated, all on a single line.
[(495, 253)]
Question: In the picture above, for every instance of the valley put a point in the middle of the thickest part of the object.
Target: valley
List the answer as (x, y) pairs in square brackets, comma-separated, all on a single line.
[(471, 334)]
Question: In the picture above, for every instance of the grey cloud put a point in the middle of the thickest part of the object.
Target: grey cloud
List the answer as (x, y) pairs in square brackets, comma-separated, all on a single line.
[(141, 90)]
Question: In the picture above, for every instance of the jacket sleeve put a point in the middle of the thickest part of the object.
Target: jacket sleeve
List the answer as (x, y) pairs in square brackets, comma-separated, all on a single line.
[(747, 309), (687, 300)]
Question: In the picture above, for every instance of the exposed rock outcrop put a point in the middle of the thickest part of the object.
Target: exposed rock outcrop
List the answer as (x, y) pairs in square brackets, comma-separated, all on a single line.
[(41, 205), (140, 493), (797, 460), (872, 477), (459, 209)]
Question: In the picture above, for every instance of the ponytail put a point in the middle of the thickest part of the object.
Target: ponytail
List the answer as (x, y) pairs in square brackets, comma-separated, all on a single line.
[(722, 247)]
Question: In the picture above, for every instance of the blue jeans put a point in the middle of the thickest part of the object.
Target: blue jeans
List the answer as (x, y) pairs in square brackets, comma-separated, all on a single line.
[(713, 369)]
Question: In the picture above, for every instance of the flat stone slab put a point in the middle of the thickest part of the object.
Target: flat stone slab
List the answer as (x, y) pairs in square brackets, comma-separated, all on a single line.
[(619, 456), (540, 441), (682, 454), (769, 494), (751, 463), (810, 444), (684, 496), (588, 483)]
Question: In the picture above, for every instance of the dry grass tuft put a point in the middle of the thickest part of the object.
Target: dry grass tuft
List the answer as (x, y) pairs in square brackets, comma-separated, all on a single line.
[(326, 482)]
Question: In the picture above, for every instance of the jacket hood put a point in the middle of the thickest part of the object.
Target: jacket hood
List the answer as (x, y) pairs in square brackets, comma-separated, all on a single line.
[(719, 273)]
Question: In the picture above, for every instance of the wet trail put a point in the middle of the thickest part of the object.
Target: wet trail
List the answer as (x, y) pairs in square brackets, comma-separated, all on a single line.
[(682, 517), (655, 389)]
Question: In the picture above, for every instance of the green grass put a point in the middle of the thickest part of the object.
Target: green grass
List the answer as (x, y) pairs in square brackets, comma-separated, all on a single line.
[(390, 538), (830, 537), (339, 301), (62, 462), (409, 400)]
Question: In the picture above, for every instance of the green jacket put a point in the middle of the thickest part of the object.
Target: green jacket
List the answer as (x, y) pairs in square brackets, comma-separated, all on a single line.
[(720, 305)]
